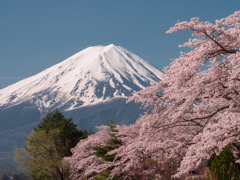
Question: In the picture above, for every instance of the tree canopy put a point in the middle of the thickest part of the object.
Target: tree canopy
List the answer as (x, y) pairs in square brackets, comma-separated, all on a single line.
[(46, 146), (69, 135), (192, 114)]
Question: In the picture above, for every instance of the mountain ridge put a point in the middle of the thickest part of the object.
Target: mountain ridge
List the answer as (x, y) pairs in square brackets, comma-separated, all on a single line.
[(93, 75), (91, 87)]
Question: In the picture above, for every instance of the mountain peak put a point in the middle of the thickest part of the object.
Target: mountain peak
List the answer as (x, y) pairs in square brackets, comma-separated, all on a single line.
[(107, 46), (94, 75), (100, 48), (111, 46)]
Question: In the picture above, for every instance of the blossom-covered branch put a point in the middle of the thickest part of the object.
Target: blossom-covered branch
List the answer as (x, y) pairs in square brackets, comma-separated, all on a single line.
[(194, 111)]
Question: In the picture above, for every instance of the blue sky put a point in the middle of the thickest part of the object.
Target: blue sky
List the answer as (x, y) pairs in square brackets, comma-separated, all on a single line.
[(36, 34)]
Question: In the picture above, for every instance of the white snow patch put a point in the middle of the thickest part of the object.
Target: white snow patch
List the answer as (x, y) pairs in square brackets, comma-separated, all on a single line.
[(74, 80)]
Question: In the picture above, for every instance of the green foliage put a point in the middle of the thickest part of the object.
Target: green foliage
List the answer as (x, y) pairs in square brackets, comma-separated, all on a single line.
[(103, 175), (69, 135), (41, 156), (47, 145), (46, 157), (113, 143), (101, 151), (224, 167)]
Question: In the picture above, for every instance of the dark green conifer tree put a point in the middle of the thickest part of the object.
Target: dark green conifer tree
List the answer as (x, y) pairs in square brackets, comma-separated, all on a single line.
[(224, 167), (47, 145), (101, 151), (69, 135)]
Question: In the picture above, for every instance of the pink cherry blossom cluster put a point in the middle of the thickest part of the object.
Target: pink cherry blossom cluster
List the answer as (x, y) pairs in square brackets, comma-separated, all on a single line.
[(83, 162), (191, 114)]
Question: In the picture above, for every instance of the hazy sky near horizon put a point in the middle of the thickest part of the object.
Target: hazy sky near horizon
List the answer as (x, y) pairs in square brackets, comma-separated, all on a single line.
[(35, 35)]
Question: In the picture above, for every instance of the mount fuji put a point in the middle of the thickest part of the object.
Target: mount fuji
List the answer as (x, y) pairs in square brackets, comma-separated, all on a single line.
[(91, 86), (94, 75)]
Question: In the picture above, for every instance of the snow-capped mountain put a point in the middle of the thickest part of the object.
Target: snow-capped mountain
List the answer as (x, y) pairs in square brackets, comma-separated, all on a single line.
[(94, 75), (91, 86)]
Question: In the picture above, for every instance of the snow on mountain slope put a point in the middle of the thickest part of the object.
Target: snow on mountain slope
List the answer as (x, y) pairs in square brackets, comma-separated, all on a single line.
[(96, 74)]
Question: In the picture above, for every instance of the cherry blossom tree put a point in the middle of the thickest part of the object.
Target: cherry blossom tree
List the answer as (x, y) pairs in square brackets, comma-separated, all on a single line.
[(193, 113), (84, 162)]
